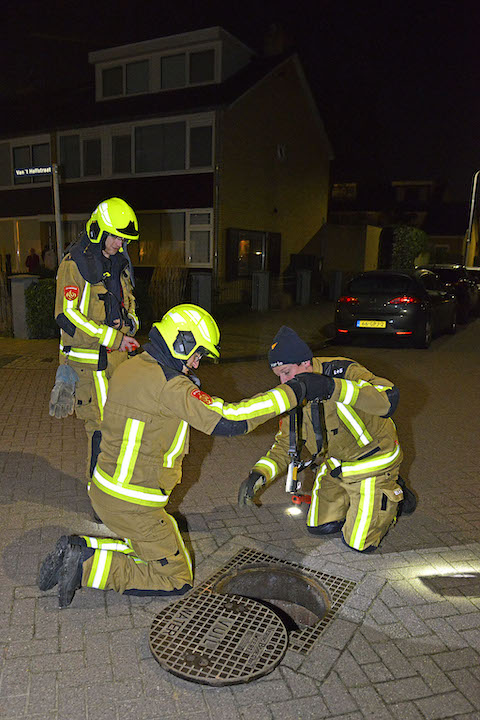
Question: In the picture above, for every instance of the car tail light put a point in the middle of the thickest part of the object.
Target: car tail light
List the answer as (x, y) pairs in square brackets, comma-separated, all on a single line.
[(344, 331), (404, 332), (348, 300), (404, 300)]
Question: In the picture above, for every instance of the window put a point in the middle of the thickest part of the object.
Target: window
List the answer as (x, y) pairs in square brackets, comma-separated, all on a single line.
[(92, 157), (250, 250), (21, 159), (158, 72), (70, 156), (202, 66), (137, 77), (160, 147), (37, 155), (173, 71), (201, 146), (80, 155), (185, 234), (199, 247), (112, 81), (121, 154)]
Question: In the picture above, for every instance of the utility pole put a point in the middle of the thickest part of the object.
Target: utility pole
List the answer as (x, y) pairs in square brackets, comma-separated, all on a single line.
[(472, 213)]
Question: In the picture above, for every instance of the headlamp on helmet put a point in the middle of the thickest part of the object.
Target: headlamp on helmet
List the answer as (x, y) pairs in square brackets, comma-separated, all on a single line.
[(188, 329), (112, 217)]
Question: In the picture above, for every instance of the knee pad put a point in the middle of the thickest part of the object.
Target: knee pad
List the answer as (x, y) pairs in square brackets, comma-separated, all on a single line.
[(326, 528)]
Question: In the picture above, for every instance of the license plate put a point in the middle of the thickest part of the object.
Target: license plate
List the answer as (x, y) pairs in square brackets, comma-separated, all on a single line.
[(371, 323)]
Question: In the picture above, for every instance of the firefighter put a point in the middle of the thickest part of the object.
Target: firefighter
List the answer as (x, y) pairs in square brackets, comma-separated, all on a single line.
[(95, 310), (357, 488), (152, 402)]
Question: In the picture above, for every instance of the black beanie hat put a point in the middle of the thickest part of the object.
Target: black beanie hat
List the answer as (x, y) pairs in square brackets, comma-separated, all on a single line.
[(287, 347)]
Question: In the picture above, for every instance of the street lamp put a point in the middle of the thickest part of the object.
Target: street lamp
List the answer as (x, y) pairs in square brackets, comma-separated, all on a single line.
[(472, 211)]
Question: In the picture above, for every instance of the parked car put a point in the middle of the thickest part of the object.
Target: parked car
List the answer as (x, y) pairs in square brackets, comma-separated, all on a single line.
[(466, 290), (474, 274), (408, 304)]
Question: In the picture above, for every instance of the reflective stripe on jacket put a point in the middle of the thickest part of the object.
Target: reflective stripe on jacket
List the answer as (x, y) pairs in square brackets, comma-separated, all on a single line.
[(146, 427), (80, 313), (358, 437)]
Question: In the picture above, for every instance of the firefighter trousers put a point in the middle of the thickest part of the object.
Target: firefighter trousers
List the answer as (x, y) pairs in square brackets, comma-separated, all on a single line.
[(368, 506), (90, 396), (150, 554)]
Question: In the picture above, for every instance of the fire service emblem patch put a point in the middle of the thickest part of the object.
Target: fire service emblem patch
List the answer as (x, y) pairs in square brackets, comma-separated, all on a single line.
[(71, 292), (206, 399)]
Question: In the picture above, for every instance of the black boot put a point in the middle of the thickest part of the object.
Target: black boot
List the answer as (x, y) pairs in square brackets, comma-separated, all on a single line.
[(50, 567), (409, 503), (70, 575), (327, 528)]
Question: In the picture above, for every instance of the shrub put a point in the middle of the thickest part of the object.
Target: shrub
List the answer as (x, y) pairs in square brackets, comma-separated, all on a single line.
[(408, 243), (40, 308), (168, 283)]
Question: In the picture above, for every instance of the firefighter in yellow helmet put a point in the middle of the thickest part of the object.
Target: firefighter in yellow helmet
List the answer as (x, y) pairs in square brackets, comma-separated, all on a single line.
[(95, 310), (152, 402)]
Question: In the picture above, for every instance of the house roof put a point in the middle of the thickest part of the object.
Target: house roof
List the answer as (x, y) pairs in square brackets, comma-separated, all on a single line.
[(40, 113)]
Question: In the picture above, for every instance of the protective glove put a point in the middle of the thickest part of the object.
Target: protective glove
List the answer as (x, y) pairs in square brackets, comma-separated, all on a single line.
[(249, 487), (62, 397), (317, 386)]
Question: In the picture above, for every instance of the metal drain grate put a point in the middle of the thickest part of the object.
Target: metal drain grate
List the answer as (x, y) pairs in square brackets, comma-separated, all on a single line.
[(338, 590), (218, 639)]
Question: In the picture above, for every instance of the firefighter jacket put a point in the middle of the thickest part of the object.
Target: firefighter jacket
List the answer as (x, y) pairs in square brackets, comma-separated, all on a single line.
[(93, 292), (358, 436), (145, 433)]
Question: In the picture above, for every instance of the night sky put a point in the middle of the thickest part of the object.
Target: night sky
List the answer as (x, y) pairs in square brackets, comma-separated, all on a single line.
[(397, 82)]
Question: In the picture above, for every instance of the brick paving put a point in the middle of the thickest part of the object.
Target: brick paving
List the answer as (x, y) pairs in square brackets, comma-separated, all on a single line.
[(405, 644)]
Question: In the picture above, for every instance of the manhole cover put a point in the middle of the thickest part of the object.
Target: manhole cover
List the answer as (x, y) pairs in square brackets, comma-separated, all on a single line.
[(218, 639)]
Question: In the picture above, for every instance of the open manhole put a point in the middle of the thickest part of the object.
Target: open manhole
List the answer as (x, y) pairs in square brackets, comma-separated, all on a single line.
[(218, 639), (236, 625), (300, 600)]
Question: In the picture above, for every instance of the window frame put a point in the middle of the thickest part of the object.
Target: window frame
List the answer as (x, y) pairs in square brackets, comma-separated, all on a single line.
[(83, 134), (22, 142), (154, 69), (189, 227)]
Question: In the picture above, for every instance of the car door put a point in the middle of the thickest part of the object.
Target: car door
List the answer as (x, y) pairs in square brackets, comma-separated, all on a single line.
[(437, 295)]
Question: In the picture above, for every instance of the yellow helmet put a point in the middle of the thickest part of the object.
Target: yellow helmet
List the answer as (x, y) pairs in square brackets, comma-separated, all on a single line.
[(112, 217), (188, 329)]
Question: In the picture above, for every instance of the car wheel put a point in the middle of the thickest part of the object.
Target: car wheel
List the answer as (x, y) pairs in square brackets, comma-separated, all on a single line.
[(422, 337), (452, 327)]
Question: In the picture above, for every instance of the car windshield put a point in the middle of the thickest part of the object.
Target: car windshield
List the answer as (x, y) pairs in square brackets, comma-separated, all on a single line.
[(450, 275), (398, 284)]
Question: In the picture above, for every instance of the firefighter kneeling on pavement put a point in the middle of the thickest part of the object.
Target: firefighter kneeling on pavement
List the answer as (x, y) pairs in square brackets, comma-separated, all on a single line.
[(350, 434), (152, 401)]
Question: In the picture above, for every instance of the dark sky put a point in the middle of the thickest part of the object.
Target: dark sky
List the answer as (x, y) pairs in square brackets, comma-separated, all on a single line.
[(397, 82)]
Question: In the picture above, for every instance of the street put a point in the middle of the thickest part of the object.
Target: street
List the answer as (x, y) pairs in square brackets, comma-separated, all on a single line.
[(406, 642)]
